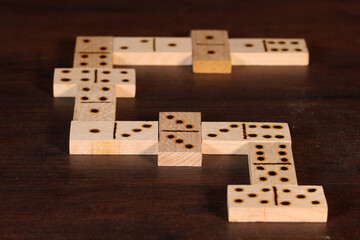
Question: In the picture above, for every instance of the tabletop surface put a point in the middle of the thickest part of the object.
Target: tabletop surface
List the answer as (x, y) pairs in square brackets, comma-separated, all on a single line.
[(47, 194)]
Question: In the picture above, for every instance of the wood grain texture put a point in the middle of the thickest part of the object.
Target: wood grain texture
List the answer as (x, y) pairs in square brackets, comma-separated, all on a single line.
[(180, 121), (98, 111), (211, 51), (271, 164), (48, 194), (253, 203), (180, 149)]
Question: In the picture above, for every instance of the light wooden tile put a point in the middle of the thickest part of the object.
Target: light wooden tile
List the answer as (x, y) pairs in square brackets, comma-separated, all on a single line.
[(110, 137), (137, 137), (267, 132), (94, 111), (123, 79), (94, 44), (271, 164), (152, 51), (92, 137), (93, 60), (133, 50), (272, 52), (211, 59), (209, 37), (211, 51), (180, 121), (223, 138), (66, 80), (95, 92), (180, 149), (176, 51), (254, 203)]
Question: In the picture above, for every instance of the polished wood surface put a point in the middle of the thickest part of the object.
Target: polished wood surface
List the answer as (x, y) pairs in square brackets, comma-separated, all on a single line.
[(47, 194)]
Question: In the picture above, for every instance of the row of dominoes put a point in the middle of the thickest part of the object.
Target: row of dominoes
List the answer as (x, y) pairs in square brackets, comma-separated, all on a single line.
[(210, 51), (180, 139)]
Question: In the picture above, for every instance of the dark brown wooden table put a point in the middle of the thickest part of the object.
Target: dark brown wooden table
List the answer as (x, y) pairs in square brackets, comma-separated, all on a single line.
[(47, 194)]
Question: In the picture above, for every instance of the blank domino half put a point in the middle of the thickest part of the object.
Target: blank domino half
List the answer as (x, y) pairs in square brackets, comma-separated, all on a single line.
[(66, 80), (277, 203), (114, 137), (270, 51), (152, 51)]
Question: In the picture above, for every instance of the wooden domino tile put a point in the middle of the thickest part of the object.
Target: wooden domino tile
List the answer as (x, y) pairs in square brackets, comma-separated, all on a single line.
[(152, 51), (133, 50), (272, 52), (93, 52), (114, 137), (95, 93), (180, 121), (93, 60), (123, 79), (94, 111), (179, 139), (223, 138), (271, 164), (95, 102), (66, 80), (211, 51), (256, 203), (173, 51), (94, 44), (266, 132), (180, 149)]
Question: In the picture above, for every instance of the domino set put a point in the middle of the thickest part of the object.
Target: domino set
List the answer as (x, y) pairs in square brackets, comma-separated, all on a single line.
[(180, 138)]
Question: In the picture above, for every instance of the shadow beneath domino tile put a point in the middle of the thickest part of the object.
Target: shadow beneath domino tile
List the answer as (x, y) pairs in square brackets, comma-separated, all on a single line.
[(59, 123), (227, 170), (274, 230), (116, 162)]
